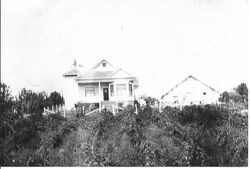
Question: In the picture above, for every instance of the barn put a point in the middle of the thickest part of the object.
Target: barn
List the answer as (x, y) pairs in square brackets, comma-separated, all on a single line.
[(190, 91)]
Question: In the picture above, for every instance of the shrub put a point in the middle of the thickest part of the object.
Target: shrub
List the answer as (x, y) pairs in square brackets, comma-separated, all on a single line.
[(209, 116)]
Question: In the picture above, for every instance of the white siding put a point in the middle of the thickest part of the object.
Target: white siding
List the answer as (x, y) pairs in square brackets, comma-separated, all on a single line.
[(90, 99), (69, 92)]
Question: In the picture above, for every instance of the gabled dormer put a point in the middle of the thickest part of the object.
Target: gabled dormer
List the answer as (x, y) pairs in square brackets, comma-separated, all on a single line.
[(103, 66)]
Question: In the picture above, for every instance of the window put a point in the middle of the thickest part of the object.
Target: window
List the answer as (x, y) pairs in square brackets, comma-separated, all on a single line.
[(130, 90), (112, 90), (89, 91), (121, 89), (104, 64)]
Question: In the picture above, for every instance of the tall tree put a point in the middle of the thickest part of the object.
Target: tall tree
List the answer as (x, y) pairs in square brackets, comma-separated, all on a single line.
[(242, 90), (6, 120), (224, 97), (56, 98)]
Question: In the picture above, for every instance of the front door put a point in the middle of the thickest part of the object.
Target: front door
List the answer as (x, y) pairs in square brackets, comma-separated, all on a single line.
[(105, 93)]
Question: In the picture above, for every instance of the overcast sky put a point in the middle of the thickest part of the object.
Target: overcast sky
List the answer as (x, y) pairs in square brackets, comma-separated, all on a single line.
[(159, 41)]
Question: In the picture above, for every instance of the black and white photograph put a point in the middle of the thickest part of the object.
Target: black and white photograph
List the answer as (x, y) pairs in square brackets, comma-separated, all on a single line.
[(124, 83)]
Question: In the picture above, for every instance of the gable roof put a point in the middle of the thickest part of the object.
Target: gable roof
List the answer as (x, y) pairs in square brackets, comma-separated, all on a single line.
[(120, 70), (186, 79), (100, 74), (99, 63)]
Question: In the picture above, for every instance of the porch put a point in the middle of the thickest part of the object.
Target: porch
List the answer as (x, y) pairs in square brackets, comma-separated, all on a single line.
[(106, 93)]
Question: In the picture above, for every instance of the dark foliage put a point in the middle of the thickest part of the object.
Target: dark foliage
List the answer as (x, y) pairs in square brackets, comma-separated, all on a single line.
[(56, 98), (194, 136), (208, 116)]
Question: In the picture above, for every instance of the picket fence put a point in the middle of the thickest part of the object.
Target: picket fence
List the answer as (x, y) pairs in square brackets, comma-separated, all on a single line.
[(54, 109)]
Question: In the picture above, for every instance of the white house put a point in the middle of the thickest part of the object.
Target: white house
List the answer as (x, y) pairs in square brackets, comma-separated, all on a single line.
[(104, 85), (188, 92)]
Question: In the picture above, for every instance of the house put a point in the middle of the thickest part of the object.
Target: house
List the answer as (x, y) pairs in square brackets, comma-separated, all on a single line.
[(104, 85), (190, 91)]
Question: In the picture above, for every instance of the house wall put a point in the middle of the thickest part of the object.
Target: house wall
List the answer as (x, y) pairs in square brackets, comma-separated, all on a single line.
[(99, 96), (69, 92), (126, 98), (90, 99)]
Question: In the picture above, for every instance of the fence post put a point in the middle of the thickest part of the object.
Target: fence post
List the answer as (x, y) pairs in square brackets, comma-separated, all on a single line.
[(64, 112), (113, 108)]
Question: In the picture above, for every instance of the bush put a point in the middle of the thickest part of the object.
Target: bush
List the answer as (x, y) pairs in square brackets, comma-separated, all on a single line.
[(209, 116), (194, 136)]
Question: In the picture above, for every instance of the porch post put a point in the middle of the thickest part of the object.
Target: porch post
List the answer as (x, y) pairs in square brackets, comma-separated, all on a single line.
[(100, 96)]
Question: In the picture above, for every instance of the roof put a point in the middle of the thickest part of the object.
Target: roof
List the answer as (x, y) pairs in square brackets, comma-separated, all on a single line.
[(73, 72), (107, 72), (95, 75), (101, 63), (189, 77)]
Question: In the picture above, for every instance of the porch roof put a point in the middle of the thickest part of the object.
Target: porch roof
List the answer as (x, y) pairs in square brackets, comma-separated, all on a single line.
[(73, 72)]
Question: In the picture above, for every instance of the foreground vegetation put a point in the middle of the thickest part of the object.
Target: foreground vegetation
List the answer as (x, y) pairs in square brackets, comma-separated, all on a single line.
[(207, 135)]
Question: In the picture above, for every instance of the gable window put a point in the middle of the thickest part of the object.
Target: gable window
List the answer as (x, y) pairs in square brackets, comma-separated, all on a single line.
[(112, 90), (130, 90), (121, 89), (104, 64), (89, 91)]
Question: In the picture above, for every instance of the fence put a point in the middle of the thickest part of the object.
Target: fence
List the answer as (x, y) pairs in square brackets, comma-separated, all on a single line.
[(54, 109), (61, 109), (114, 109)]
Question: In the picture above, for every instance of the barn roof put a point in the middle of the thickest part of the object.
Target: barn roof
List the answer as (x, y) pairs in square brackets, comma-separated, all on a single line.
[(186, 79)]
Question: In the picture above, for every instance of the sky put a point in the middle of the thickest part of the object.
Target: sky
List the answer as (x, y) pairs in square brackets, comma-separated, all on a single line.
[(159, 41)]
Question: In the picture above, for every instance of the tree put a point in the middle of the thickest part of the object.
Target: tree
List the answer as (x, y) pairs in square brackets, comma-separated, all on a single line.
[(6, 120), (149, 100), (224, 97), (56, 98), (242, 90), (29, 102), (6, 99)]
